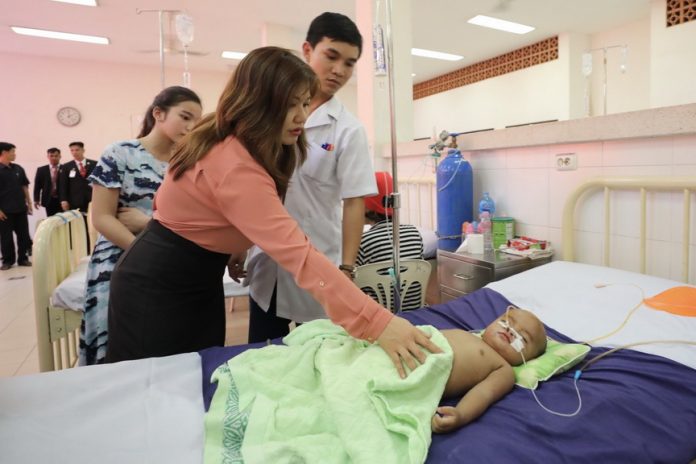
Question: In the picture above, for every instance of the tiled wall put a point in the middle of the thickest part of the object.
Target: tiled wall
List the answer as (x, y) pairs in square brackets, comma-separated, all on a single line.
[(525, 184)]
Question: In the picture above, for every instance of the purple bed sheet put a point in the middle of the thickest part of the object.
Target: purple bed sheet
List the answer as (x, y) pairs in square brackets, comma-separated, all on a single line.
[(636, 407)]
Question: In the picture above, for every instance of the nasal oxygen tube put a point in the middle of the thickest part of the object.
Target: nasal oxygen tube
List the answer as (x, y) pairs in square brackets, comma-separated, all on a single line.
[(518, 345)]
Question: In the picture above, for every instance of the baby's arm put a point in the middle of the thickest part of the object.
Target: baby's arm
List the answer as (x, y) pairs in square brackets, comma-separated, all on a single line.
[(497, 384)]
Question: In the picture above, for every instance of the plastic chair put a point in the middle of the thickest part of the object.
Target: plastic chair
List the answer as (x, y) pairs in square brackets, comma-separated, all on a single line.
[(375, 280)]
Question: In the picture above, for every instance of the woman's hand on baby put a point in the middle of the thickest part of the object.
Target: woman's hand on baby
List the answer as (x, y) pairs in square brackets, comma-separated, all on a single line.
[(404, 343), (445, 420), (134, 219)]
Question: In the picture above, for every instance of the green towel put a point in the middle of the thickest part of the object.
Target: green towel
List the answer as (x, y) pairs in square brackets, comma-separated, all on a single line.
[(325, 397)]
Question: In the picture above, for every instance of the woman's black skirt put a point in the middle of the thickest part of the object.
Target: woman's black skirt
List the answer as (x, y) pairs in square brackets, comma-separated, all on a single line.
[(166, 297)]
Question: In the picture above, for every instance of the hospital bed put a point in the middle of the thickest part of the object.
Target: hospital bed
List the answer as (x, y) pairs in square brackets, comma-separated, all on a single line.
[(59, 279), (635, 405)]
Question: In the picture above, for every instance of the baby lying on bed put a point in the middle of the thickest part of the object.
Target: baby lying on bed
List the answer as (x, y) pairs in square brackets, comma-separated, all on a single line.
[(482, 366), (327, 397)]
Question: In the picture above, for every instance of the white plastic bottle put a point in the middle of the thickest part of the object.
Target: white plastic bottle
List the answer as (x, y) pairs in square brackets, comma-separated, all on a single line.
[(485, 228)]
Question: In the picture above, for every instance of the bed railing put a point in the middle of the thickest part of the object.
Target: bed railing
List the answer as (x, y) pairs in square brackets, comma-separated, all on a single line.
[(685, 185), (418, 202), (59, 244)]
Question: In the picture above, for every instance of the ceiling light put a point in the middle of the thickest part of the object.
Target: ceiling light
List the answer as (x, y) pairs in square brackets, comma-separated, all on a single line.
[(60, 35), (79, 2), (233, 55), (500, 24), (436, 55)]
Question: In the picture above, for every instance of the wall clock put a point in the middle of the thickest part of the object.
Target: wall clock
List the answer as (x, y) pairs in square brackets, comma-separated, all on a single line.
[(69, 116)]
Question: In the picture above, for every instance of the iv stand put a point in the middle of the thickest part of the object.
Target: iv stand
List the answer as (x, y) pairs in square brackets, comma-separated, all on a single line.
[(604, 62), (161, 36), (396, 196)]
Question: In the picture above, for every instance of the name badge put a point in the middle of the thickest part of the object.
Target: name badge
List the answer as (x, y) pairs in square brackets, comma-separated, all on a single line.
[(73, 173)]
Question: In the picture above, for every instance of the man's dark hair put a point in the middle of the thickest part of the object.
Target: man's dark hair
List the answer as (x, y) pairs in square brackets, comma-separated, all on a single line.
[(335, 26), (79, 144), (6, 146), (53, 150)]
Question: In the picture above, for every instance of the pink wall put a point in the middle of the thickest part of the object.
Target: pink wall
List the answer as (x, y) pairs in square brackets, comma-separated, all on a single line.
[(110, 96)]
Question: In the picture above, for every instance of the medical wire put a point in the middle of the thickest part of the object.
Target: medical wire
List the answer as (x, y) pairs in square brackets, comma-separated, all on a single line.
[(587, 364), (629, 345), (524, 361), (628, 316)]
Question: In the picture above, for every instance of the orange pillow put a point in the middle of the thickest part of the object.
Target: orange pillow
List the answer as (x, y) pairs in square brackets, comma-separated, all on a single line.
[(676, 300)]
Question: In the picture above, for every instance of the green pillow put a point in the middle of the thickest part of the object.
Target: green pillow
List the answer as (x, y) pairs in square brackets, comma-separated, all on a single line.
[(558, 358)]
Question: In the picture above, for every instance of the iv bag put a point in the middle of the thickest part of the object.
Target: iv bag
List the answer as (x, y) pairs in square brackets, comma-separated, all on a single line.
[(184, 28)]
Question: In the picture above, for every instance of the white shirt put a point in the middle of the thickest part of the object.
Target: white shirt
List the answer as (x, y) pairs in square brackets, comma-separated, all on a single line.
[(338, 166)]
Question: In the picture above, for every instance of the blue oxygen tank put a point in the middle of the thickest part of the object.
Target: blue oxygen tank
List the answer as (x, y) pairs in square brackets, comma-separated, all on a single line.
[(455, 199)]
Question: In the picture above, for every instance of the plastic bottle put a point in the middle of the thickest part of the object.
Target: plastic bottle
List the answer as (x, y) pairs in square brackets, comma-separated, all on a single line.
[(487, 204), (485, 229)]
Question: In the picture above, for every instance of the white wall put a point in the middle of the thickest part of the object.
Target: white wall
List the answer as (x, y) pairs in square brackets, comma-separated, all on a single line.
[(627, 91), (527, 95), (673, 60), (661, 70)]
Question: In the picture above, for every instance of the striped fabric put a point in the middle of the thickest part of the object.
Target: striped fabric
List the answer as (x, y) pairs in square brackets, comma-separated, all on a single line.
[(376, 246)]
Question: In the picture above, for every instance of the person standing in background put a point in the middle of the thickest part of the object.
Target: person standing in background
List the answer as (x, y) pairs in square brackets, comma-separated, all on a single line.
[(46, 183), (124, 184), (338, 170), (15, 204), (73, 189)]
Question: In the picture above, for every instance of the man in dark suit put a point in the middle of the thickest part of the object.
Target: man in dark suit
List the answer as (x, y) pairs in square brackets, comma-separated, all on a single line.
[(73, 189), (46, 183), (15, 204)]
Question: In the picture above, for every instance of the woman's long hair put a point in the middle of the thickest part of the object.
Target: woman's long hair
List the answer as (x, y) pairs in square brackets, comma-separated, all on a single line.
[(171, 96), (253, 108)]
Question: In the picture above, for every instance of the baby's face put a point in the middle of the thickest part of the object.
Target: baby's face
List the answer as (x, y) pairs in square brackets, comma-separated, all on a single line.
[(529, 328)]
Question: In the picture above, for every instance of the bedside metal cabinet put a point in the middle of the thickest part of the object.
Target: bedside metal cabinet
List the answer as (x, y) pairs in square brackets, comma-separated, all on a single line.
[(462, 273)]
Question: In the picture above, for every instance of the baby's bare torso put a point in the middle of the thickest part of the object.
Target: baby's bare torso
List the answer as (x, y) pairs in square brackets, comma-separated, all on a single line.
[(473, 361)]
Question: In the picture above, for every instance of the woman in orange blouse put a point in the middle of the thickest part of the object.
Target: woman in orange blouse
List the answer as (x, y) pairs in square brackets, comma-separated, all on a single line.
[(223, 192)]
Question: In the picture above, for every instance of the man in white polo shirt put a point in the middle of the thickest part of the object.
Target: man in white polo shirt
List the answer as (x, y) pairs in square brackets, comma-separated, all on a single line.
[(338, 168)]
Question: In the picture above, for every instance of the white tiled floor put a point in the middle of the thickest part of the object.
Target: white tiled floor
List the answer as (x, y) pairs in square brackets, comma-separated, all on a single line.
[(18, 354)]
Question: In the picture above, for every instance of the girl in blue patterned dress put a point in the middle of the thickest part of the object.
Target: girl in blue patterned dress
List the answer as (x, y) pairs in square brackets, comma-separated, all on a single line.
[(124, 185)]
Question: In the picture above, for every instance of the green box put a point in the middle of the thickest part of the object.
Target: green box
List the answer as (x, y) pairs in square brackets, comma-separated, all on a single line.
[(503, 230)]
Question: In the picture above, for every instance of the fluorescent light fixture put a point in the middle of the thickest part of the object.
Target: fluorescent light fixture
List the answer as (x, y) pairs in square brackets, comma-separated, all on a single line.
[(60, 35), (500, 24), (79, 2), (233, 55), (436, 55)]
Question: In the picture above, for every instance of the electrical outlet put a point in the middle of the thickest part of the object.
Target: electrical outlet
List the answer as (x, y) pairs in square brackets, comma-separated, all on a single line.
[(566, 161)]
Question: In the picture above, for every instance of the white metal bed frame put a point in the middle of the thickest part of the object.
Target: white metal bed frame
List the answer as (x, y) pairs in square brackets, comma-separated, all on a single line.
[(687, 185), (59, 244), (418, 202)]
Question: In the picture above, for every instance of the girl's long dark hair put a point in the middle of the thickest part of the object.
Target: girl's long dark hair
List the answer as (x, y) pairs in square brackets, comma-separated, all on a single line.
[(253, 108)]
